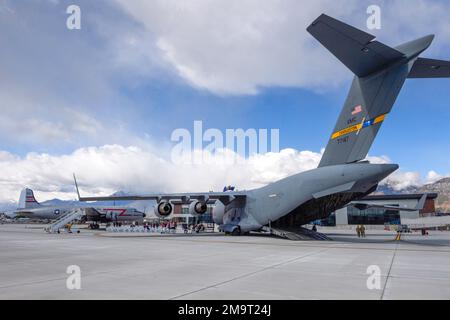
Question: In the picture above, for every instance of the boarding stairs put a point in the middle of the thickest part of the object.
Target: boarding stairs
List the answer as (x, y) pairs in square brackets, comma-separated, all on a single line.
[(297, 234), (65, 219)]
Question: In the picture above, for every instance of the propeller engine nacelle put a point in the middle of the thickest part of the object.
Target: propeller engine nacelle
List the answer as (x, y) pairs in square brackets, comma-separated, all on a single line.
[(163, 209), (198, 207)]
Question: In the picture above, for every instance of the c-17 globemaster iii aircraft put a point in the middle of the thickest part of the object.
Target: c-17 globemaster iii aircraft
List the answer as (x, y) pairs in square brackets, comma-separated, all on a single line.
[(29, 207), (342, 175)]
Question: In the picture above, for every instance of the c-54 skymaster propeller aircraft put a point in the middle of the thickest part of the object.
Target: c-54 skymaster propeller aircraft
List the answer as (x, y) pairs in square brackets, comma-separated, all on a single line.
[(29, 207), (342, 175)]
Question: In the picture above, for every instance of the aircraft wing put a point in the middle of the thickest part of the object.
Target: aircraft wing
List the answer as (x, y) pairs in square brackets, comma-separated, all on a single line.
[(224, 197), (364, 206)]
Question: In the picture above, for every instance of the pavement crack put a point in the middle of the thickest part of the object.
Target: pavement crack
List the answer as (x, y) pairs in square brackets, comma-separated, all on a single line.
[(389, 271)]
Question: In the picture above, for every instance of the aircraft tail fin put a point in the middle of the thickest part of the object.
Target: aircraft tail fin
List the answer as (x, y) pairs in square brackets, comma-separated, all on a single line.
[(380, 72), (27, 199)]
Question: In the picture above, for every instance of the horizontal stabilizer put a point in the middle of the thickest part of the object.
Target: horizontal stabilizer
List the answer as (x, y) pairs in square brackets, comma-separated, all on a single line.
[(353, 47), (430, 68)]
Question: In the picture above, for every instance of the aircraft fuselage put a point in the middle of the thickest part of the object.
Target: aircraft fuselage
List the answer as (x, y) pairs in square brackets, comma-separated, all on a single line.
[(305, 193)]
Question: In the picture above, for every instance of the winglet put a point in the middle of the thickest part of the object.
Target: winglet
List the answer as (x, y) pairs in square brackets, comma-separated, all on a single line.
[(421, 202), (76, 186)]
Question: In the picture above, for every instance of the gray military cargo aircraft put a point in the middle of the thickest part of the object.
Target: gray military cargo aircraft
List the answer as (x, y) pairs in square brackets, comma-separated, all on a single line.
[(342, 175)]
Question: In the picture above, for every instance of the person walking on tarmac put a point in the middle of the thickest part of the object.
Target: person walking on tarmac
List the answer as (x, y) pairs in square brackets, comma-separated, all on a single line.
[(69, 227), (358, 231)]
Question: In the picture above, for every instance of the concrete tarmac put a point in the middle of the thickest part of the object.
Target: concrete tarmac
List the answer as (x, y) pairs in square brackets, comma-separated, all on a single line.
[(33, 265)]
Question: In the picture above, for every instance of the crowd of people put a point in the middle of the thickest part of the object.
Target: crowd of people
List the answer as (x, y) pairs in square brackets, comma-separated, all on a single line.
[(197, 228), (163, 227)]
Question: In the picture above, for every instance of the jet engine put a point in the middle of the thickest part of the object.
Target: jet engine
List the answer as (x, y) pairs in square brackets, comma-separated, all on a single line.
[(218, 212), (163, 209), (198, 207)]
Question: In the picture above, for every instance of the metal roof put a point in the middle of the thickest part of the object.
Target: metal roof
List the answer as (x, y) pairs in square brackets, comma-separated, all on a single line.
[(411, 196)]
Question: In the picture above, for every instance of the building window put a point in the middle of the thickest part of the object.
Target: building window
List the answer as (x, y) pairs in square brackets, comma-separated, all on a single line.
[(373, 216)]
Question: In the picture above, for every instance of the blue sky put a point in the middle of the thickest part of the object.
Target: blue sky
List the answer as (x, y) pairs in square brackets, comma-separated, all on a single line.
[(137, 70)]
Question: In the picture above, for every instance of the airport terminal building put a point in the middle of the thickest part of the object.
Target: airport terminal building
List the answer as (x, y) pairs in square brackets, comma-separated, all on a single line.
[(374, 216)]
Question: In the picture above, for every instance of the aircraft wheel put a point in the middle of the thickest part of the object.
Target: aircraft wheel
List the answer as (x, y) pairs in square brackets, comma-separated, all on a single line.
[(236, 232)]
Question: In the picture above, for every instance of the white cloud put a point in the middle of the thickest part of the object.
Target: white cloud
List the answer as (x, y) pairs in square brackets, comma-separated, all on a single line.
[(401, 180), (433, 176), (236, 47), (58, 88), (398, 180), (29, 121), (103, 170)]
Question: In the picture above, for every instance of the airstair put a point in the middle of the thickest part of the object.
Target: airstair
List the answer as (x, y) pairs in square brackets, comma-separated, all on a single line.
[(297, 234), (65, 219)]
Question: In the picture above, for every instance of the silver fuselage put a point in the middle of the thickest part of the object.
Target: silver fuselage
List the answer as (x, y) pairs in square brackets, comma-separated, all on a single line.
[(102, 213)]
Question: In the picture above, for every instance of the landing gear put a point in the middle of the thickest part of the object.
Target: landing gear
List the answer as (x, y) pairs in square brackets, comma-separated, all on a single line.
[(229, 229), (236, 231), (94, 226)]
